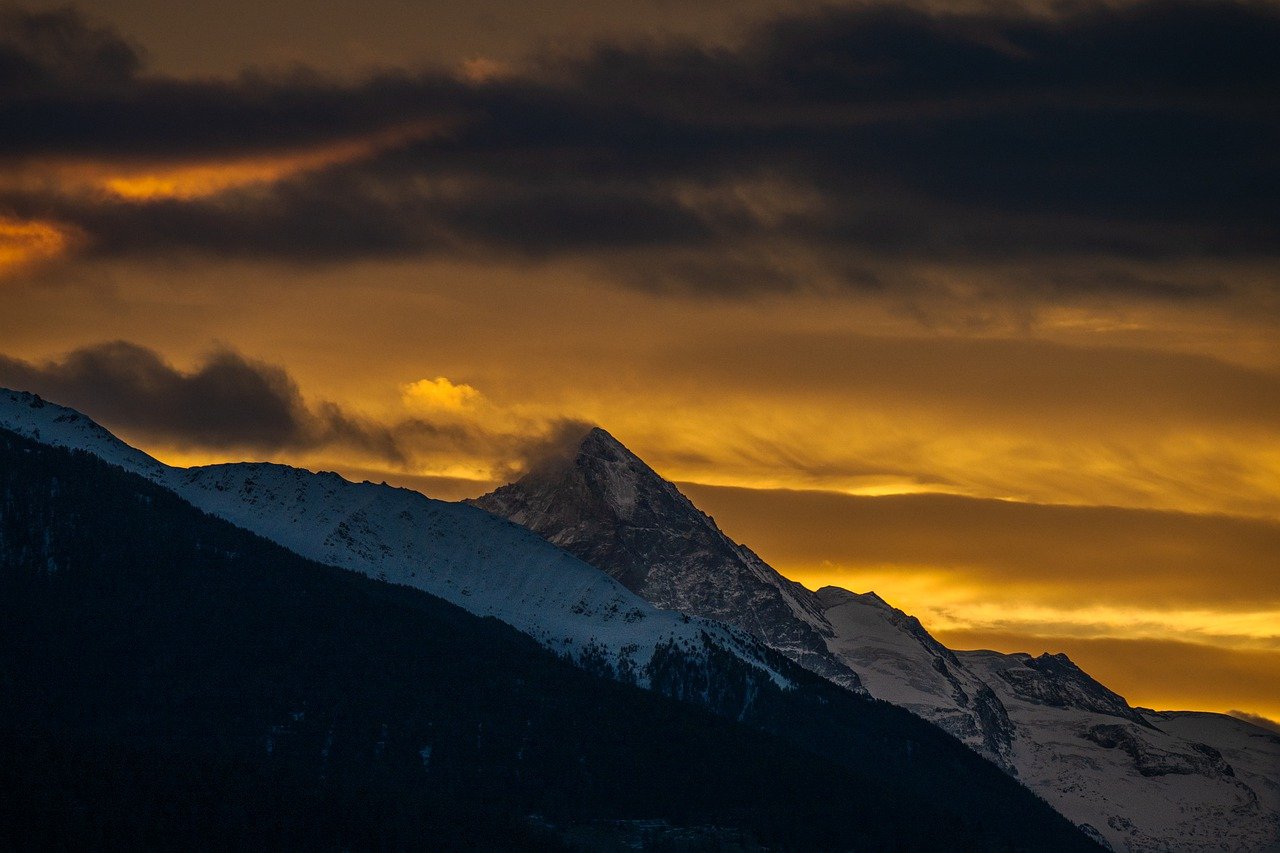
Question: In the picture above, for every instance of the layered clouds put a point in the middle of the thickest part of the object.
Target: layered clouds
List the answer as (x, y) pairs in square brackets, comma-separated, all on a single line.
[(973, 304), (847, 149)]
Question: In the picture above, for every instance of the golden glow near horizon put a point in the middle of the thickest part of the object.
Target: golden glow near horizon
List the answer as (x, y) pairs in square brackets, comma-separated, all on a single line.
[(946, 605), (1149, 655)]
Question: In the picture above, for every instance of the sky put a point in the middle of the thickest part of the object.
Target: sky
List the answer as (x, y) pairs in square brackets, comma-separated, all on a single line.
[(976, 305)]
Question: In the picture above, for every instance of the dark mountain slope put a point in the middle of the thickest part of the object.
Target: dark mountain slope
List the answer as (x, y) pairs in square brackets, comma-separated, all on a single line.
[(167, 679)]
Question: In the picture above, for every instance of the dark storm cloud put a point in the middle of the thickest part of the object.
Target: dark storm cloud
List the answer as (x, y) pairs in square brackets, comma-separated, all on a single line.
[(232, 402), (1137, 131), (345, 214), (72, 88), (60, 53), (881, 134), (228, 401)]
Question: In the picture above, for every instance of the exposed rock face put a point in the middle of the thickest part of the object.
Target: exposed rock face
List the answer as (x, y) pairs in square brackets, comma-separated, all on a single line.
[(609, 509), (1150, 760), (1056, 680)]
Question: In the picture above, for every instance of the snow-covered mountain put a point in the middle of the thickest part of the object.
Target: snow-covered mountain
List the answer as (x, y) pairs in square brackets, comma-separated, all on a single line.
[(482, 563), (1140, 781), (119, 596)]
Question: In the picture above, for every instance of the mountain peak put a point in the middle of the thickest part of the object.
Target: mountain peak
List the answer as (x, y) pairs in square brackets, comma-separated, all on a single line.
[(604, 505), (599, 436), (834, 596), (598, 472), (600, 445)]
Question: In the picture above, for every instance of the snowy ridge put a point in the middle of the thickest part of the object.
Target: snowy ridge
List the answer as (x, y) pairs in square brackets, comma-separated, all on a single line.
[(1137, 781), (40, 420), (484, 564), (1144, 781), (900, 662)]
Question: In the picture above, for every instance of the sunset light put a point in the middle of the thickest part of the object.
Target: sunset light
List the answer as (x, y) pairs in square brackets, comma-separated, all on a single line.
[(915, 350)]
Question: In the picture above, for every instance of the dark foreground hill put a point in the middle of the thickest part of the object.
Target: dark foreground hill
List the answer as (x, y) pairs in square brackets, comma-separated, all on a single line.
[(169, 680)]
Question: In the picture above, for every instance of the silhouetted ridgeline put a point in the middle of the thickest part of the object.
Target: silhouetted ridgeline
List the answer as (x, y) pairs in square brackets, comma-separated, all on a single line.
[(167, 679)]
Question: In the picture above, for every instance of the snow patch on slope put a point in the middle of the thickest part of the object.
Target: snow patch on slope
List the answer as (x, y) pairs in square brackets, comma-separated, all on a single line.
[(1173, 781)]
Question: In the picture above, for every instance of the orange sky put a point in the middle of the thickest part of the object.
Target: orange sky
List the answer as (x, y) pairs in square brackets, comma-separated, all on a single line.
[(1030, 445)]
